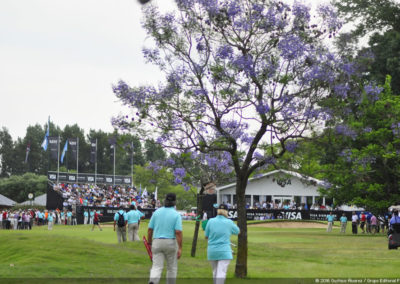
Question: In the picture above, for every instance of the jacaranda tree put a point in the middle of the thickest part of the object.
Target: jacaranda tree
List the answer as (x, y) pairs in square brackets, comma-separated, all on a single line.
[(240, 77)]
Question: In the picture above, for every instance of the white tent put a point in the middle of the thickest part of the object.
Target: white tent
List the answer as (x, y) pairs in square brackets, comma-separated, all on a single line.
[(5, 201), (38, 201)]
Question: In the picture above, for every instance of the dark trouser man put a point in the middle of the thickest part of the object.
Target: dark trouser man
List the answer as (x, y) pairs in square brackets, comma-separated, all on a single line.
[(354, 227)]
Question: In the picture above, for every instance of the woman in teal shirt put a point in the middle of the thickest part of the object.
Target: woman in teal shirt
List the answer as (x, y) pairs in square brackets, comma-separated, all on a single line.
[(218, 232)]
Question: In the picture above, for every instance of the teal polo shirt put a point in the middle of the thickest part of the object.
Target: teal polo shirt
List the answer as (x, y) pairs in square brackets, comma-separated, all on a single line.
[(330, 218), (219, 231), (50, 217), (164, 222), (122, 212), (134, 216), (343, 219)]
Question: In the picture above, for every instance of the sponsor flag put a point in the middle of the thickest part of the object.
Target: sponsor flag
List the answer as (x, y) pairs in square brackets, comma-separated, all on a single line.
[(64, 151), (73, 143), (45, 142), (53, 145), (93, 150), (28, 149), (155, 194)]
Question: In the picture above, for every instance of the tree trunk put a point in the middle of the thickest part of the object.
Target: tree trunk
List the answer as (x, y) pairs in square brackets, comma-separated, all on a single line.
[(196, 228), (241, 260)]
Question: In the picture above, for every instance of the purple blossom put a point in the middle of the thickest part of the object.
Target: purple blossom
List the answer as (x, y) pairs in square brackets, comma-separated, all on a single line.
[(233, 9), (225, 52), (342, 90), (291, 146), (291, 47), (346, 131), (155, 166), (245, 63), (396, 128), (262, 108), (373, 92), (346, 154)]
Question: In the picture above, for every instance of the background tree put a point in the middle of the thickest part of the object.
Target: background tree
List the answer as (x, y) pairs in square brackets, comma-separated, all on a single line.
[(361, 153), (241, 76), (6, 153), (17, 187), (378, 22)]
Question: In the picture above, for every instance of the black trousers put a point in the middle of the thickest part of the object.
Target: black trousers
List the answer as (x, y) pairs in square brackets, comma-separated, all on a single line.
[(354, 228)]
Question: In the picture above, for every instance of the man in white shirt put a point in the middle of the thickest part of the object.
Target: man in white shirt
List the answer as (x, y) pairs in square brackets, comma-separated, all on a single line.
[(354, 223)]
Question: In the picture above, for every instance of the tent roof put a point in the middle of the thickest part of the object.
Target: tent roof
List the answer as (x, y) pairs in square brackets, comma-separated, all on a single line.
[(5, 201)]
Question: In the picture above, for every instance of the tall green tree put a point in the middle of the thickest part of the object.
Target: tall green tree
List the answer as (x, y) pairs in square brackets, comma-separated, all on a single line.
[(361, 153), (6, 153), (239, 75), (378, 21)]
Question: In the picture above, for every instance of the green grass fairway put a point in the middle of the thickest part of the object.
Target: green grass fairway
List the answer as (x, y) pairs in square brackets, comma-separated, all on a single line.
[(77, 252)]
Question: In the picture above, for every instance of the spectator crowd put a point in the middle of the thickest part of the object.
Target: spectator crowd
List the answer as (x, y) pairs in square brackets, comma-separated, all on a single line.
[(105, 196)]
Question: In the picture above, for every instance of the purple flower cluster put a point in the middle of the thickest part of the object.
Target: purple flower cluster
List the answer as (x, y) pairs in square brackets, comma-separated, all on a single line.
[(342, 90), (291, 146), (263, 108), (225, 52), (346, 131), (179, 174), (396, 128), (373, 92), (291, 47)]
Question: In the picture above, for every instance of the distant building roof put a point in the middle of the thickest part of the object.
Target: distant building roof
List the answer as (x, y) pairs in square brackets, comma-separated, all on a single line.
[(5, 201), (39, 200), (294, 174)]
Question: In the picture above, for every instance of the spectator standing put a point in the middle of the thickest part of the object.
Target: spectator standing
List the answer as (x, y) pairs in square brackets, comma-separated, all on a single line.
[(354, 223), (120, 219), (50, 220), (69, 217), (165, 237), (330, 219), (362, 222), (374, 224), (91, 217), (343, 224), (96, 220), (219, 253), (5, 217), (85, 217), (368, 222), (133, 218)]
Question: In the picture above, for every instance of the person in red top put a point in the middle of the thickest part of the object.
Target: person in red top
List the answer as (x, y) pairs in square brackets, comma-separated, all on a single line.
[(4, 223), (96, 220), (363, 218)]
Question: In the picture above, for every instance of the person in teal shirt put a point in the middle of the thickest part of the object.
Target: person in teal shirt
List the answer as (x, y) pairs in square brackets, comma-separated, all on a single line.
[(85, 217), (121, 230), (218, 232), (165, 227), (91, 215), (330, 219), (133, 217), (50, 221), (343, 224)]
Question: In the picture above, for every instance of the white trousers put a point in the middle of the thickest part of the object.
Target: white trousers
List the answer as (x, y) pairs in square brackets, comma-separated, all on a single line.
[(133, 230), (220, 267), (50, 225), (164, 249), (85, 220)]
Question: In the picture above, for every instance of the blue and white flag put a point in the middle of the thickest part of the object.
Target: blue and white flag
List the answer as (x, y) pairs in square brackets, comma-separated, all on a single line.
[(64, 151), (45, 142)]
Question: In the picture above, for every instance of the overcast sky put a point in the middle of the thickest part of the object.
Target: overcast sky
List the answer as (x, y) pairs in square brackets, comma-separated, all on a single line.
[(60, 59)]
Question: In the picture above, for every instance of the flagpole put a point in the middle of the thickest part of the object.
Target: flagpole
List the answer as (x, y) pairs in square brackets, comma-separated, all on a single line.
[(77, 158), (58, 158), (114, 166), (95, 166), (132, 164)]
